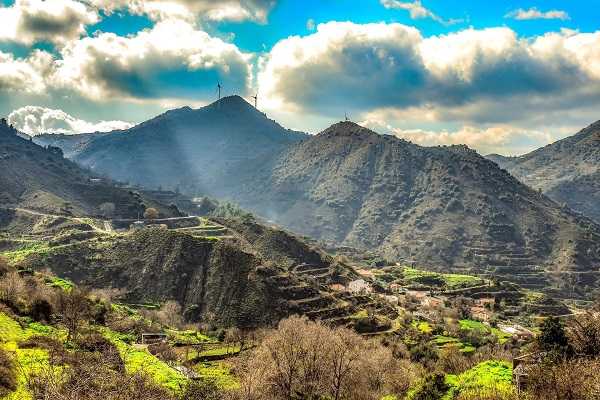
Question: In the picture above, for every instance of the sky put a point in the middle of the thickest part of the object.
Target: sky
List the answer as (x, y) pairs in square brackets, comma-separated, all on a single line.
[(502, 77)]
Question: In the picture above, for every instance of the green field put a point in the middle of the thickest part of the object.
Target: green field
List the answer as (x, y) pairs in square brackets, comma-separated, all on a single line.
[(436, 279), (468, 324)]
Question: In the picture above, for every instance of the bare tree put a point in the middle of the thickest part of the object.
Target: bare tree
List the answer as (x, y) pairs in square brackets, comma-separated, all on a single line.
[(74, 310), (151, 213)]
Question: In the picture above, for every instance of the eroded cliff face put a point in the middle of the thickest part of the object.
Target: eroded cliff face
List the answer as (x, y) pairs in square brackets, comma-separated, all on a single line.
[(206, 277), (254, 277)]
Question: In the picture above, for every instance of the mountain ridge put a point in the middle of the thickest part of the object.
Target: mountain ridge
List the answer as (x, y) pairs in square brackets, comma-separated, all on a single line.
[(568, 170), (443, 207)]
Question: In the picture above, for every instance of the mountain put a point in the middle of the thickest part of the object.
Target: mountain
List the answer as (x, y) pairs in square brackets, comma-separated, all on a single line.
[(568, 171), (205, 150), (440, 207), (39, 178), (444, 207)]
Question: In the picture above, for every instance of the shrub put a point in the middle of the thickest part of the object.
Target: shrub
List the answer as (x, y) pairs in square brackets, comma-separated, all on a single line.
[(8, 378), (4, 267), (433, 387), (41, 310)]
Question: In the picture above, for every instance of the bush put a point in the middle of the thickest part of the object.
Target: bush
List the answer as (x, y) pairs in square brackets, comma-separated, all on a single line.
[(41, 310), (8, 378), (4, 267), (433, 387)]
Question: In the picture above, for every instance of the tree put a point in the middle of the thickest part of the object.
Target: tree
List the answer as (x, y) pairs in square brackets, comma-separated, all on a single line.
[(151, 213), (434, 387), (553, 338), (308, 360), (74, 309), (584, 334)]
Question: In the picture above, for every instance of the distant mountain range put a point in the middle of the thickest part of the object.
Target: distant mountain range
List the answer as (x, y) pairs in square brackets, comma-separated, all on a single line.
[(40, 178), (568, 171), (441, 207)]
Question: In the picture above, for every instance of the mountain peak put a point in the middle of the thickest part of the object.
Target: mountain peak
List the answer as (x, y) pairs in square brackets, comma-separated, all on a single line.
[(347, 128), (231, 102)]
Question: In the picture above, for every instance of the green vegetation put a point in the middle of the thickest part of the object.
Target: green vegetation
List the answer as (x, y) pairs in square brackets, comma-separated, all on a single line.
[(489, 377), (64, 284), (219, 372), (448, 341), (422, 326), (188, 337), (469, 325), (449, 281), (28, 361), (25, 250), (140, 360)]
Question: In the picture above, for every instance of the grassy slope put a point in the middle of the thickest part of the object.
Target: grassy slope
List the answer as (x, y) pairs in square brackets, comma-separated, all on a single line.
[(488, 377), (28, 360)]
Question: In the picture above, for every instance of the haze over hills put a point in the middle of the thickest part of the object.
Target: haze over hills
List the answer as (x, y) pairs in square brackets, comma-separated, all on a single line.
[(568, 171), (41, 179), (201, 150), (441, 207)]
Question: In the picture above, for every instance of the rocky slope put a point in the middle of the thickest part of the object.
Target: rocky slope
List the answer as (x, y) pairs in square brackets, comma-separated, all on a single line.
[(568, 171), (39, 178), (441, 207)]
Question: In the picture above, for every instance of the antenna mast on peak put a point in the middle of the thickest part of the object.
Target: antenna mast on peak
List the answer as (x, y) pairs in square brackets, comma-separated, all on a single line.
[(219, 89), (346, 117), (255, 97)]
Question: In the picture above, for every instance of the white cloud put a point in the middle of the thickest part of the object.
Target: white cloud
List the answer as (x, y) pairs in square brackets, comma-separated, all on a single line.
[(488, 75), (190, 10), (534, 13), (311, 25), (417, 10), (34, 120), (502, 139), (56, 21), (171, 60), (25, 75)]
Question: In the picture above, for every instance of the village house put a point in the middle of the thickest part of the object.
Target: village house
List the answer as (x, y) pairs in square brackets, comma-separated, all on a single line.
[(359, 286)]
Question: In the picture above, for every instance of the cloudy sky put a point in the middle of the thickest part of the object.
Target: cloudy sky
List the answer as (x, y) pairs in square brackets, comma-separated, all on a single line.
[(505, 76)]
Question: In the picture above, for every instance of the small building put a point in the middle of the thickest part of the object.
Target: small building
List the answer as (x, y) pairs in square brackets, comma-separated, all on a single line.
[(359, 286), (153, 338), (429, 301), (480, 313), (394, 300), (522, 366)]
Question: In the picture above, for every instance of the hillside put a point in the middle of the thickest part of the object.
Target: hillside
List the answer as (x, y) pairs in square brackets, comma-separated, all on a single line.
[(243, 274), (199, 151), (568, 171), (39, 178), (441, 207)]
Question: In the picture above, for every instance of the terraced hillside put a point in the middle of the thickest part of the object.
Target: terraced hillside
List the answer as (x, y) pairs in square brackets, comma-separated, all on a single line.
[(239, 274), (441, 207), (568, 171)]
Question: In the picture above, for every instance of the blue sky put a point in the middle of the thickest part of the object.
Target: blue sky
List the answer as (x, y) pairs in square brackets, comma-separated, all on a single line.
[(503, 76)]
